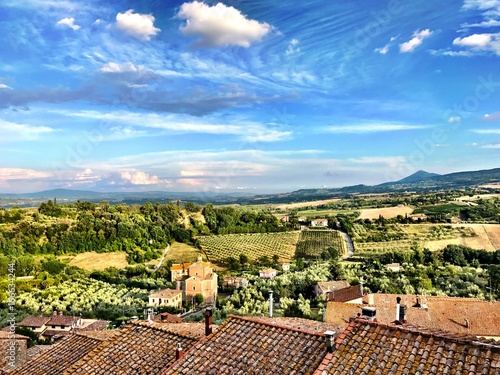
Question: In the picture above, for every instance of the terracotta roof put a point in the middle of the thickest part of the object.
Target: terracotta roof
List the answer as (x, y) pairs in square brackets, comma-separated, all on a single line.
[(55, 333), (166, 293), (201, 263), (268, 270), (61, 355), (34, 321), (179, 267), (325, 286), (100, 335), (36, 350), (167, 318), (313, 326), (446, 313), (252, 347), (139, 348), (374, 348), (62, 320), (347, 294), (97, 325), (7, 335)]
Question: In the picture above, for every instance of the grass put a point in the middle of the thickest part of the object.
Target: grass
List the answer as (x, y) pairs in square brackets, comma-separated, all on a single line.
[(99, 261), (180, 252)]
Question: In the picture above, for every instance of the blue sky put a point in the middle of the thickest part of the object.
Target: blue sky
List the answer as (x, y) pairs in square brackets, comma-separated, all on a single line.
[(247, 96)]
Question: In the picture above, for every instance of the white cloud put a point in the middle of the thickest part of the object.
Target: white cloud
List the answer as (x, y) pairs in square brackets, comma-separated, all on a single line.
[(21, 174), (68, 22), (10, 131), (4, 86), (370, 128), (418, 38), (454, 119), (382, 50), (474, 41), (140, 178), (480, 42), (292, 47), (139, 26), (112, 67), (220, 25)]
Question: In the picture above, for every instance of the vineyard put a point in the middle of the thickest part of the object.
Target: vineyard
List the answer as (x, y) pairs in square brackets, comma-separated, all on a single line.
[(312, 243), (256, 245), (397, 237)]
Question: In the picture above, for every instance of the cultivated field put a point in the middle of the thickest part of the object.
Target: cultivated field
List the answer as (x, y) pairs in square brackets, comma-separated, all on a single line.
[(431, 236), (218, 248), (180, 252), (99, 261), (386, 212), (312, 243), (291, 206)]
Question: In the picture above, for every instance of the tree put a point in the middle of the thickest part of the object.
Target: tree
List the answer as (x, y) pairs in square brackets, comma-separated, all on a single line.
[(198, 298)]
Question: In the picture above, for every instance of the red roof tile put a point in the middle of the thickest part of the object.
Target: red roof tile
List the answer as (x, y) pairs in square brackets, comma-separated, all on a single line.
[(139, 348), (61, 355), (166, 293), (253, 347), (34, 321), (374, 348)]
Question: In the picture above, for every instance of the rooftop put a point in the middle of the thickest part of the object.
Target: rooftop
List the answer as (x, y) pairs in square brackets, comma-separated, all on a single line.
[(256, 347), (325, 286), (61, 355), (139, 348), (446, 313), (34, 321), (166, 293), (375, 348)]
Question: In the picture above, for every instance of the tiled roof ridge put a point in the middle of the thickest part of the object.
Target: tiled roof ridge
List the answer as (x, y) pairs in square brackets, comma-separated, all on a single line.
[(432, 298), (81, 334), (276, 325), (439, 334), (160, 328)]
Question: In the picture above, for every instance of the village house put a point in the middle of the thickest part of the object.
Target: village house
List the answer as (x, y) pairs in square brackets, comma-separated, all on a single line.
[(394, 267), (322, 287), (319, 223), (38, 324), (235, 282), (285, 266), (166, 297), (268, 273), (196, 278)]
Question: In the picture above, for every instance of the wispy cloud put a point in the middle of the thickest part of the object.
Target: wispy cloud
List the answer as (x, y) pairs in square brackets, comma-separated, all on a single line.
[(13, 132), (21, 174), (220, 25), (293, 47), (248, 131), (486, 131), (492, 116), (371, 128), (480, 42), (4, 86)]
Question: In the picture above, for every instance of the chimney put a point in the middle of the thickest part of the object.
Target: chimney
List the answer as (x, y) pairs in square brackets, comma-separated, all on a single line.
[(417, 304), (54, 313), (361, 290), (60, 313), (208, 321), (329, 341), (467, 323), (368, 313), (150, 315), (270, 303), (398, 305), (178, 351)]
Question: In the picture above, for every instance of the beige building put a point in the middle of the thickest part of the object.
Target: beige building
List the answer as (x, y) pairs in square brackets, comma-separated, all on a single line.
[(166, 297), (196, 278)]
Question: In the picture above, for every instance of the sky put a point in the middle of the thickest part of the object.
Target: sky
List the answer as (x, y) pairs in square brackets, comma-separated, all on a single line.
[(248, 96)]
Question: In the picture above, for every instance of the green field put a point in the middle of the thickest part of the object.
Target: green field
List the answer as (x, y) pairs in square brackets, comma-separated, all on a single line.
[(256, 245), (312, 243)]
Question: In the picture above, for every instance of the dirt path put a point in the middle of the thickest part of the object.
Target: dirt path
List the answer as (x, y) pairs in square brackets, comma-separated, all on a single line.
[(162, 258)]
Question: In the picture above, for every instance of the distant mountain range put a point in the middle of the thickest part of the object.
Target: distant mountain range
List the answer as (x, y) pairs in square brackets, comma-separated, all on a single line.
[(420, 181)]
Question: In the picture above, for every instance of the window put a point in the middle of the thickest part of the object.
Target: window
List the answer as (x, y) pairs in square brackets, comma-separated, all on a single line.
[(53, 327), (194, 288)]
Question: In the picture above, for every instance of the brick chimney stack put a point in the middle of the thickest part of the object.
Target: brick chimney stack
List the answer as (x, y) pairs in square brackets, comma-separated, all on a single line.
[(398, 305), (270, 303), (178, 351), (208, 321)]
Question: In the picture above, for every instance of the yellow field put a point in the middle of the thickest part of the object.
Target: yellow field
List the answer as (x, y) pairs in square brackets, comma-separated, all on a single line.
[(290, 206), (181, 252), (99, 261), (487, 238), (386, 212)]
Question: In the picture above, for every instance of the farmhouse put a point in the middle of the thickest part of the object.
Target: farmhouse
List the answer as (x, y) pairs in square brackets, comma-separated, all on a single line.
[(319, 223), (196, 278), (269, 273), (235, 282), (166, 297)]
